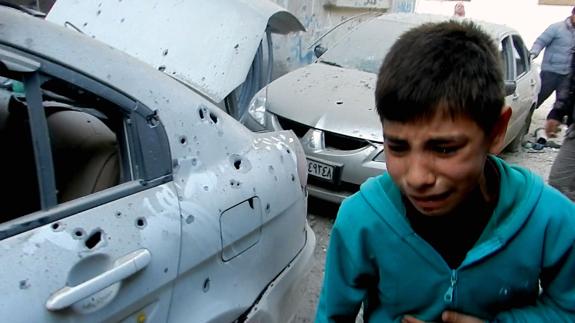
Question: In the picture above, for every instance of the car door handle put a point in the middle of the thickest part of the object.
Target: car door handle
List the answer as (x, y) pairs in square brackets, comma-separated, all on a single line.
[(124, 267), (533, 83), (515, 97)]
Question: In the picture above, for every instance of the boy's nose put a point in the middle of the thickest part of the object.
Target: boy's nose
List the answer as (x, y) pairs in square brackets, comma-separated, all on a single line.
[(420, 174)]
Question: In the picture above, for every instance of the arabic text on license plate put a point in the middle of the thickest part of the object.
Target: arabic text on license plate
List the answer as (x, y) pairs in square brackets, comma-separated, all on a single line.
[(320, 170)]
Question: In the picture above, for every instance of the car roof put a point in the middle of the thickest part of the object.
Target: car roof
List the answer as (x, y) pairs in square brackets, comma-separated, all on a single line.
[(497, 31), (88, 56)]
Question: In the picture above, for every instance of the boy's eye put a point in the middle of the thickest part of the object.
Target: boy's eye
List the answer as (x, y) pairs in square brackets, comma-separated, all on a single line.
[(397, 148), (445, 150)]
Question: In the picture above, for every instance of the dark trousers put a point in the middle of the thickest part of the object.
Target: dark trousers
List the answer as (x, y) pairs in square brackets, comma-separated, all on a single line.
[(562, 175), (550, 82)]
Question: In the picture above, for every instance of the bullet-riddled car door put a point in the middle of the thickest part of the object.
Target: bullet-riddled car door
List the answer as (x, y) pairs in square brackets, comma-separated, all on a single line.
[(91, 223)]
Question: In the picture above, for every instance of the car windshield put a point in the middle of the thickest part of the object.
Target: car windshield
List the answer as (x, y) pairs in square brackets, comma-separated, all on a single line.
[(365, 47)]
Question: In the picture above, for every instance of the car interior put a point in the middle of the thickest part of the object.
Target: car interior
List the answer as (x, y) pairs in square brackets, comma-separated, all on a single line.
[(83, 143)]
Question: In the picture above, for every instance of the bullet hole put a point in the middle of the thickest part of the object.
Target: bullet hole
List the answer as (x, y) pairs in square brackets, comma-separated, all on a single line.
[(271, 169), (202, 113), (206, 286), (85, 24), (292, 177), (55, 226), (24, 284), (78, 234), (93, 240), (162, 68), (213, 117), (237, 45), (237, 163), (98, 12), (123, 19), (251, 203), (183, 140), (206, 188), (288, 151), (194, 162), (234, 183), (141, 223), (339, 102), (118, 214), (190, 219), (268, 208), (165, 52), (166, 270)]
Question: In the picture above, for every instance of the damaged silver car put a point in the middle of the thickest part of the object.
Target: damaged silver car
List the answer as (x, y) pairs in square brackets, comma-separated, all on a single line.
[(221, 48), (129, 196), (330, 105)]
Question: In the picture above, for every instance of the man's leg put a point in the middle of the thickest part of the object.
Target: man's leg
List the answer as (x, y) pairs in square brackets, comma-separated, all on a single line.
[(562, 175), (549, 82)]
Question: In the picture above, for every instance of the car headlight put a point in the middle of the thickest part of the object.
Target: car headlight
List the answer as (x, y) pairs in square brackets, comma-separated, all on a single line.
[(380, 157), (257, 109)]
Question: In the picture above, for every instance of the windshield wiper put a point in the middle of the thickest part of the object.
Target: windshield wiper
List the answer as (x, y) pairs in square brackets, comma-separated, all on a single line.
[(330, 63)]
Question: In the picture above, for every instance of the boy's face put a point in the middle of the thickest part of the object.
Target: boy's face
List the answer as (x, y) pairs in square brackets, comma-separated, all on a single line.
[(438, 162)]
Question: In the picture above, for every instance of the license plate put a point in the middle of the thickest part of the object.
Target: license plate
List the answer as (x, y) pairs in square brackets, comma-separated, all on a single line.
[(321, 170)]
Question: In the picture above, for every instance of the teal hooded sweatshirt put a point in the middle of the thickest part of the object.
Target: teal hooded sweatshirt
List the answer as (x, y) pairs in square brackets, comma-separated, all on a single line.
[(522, 268)]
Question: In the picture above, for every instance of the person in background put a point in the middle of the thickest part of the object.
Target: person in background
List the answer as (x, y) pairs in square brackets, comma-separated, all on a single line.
[(459, 10), (450, 232), (557, 40), (562, 174)]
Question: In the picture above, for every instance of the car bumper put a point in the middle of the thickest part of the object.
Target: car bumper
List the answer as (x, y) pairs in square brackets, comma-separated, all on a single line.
[(281, 298)]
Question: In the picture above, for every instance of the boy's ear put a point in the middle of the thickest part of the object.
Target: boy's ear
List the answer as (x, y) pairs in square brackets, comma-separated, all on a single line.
[(498, 133)]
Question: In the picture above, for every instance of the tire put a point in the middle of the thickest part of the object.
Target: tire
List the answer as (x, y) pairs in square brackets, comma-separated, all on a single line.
[(518, 140)]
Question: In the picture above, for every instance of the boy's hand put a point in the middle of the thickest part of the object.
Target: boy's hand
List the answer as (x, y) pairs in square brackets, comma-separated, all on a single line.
[(447, 317)]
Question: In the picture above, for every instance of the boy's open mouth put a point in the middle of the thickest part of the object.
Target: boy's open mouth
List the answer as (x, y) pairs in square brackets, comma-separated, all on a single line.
[(427, 202)]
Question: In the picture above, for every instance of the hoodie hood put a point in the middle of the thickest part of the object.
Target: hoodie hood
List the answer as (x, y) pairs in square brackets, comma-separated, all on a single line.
[(521, 190), (328, 98)]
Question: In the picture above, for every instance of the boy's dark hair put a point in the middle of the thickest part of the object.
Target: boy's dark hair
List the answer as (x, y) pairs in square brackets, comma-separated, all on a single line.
[(452, 67)]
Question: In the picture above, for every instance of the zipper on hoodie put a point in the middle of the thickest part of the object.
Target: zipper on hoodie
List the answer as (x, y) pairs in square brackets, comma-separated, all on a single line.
[(448, 296)]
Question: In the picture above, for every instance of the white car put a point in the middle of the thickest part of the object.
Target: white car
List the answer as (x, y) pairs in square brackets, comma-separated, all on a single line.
[(330, 104), (129, 196)]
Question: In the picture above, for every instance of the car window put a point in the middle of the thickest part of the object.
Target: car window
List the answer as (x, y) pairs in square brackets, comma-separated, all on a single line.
[(520, 55), (63, 140), (507, 58), (82, 146)]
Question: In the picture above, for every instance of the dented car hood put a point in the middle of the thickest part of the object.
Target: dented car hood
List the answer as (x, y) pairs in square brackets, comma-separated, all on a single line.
[(328, 98), (208, 45)]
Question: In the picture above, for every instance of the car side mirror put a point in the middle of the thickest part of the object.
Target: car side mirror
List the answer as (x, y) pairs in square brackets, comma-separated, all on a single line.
[(319, 50), (510, 87)]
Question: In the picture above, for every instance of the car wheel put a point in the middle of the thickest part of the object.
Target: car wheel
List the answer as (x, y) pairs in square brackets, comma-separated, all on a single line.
[(518, 140)]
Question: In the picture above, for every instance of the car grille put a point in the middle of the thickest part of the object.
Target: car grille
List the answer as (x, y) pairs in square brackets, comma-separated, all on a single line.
[(299, 129), (332, 140), (341, 142)]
